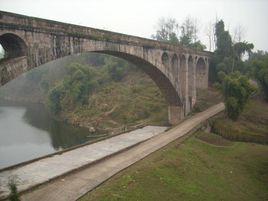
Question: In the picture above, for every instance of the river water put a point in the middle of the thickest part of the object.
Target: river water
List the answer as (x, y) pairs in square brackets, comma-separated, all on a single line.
[(28, 131)]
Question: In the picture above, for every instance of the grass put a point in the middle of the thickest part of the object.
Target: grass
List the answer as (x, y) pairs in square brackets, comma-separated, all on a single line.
[(193, 170), (213, 139), (252, 125)]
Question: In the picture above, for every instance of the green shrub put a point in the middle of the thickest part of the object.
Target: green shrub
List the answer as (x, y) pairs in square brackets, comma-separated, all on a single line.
[(232, 107), (13, 196), (236, 90)]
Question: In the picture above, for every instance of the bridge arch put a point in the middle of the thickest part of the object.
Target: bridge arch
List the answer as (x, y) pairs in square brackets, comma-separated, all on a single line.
[(13, 46), (165, 59), (201, 73)]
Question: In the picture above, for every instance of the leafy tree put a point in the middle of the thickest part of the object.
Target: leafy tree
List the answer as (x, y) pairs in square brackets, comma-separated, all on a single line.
[(188, 32), (185, 34), (167, 30), (54, 98), (240, 48), (236, 90), (259, 63), (228, 55), (116, 68), (223, 40)]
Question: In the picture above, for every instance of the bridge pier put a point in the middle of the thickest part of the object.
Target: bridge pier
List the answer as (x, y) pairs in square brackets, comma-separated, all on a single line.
[(175, 114)]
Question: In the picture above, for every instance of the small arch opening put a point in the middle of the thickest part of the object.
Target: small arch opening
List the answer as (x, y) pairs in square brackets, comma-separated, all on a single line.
[(165, 59), (12, 46), (201, 74)]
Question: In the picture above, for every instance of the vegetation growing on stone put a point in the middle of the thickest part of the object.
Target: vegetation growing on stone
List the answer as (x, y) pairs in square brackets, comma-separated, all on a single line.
[(13, 196)]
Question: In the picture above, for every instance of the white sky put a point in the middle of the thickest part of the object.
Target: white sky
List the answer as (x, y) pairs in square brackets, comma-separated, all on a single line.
[(139, 17)]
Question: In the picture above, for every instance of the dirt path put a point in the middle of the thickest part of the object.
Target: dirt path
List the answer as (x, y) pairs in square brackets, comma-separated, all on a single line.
[(76, 184)]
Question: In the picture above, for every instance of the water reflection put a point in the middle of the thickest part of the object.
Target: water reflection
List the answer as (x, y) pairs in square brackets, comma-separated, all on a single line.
[(62, 135), (28, 131)]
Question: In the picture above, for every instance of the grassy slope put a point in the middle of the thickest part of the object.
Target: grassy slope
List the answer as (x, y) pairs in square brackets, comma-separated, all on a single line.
[(251, 126), (193, 170), (204, 167)]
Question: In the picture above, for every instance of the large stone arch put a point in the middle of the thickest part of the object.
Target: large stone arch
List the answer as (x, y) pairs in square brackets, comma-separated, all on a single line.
[(201, 74), (34, 56)]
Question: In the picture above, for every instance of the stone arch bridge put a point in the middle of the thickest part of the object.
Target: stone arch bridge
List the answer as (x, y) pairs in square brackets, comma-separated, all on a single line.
[(29, 42)]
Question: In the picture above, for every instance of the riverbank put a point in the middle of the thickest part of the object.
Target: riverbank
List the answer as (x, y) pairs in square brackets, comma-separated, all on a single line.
[(72, 186)]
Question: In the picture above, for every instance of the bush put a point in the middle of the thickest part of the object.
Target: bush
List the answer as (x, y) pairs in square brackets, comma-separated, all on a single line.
[(13, 196), (236, 90), (232, 108), (261, 74), (54, 97)]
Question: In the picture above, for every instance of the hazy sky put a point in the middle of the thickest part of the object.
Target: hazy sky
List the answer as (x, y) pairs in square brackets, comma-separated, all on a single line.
[(139, 17)]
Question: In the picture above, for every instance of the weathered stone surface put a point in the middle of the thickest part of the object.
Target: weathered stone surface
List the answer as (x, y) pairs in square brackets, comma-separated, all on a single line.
[(30, 42)]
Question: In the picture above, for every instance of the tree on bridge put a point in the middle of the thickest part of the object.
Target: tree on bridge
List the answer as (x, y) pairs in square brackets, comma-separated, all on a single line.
[(186, 34)]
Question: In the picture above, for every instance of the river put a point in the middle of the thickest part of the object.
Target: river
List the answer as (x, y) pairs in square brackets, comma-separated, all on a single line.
[(28, 131)]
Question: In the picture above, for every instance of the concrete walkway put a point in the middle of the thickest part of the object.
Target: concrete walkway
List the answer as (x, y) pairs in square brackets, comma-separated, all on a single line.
[(76, 184)]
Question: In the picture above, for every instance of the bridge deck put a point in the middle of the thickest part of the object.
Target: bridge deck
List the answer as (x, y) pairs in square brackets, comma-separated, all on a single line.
[(43, 170)]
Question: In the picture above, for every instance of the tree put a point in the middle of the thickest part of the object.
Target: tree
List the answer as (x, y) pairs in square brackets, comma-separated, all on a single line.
[(228, 55), (259, 63), (54, 98), (210, 33), (238, 33), (187, 34), (223, 40), (236, 90), (167, 30)]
